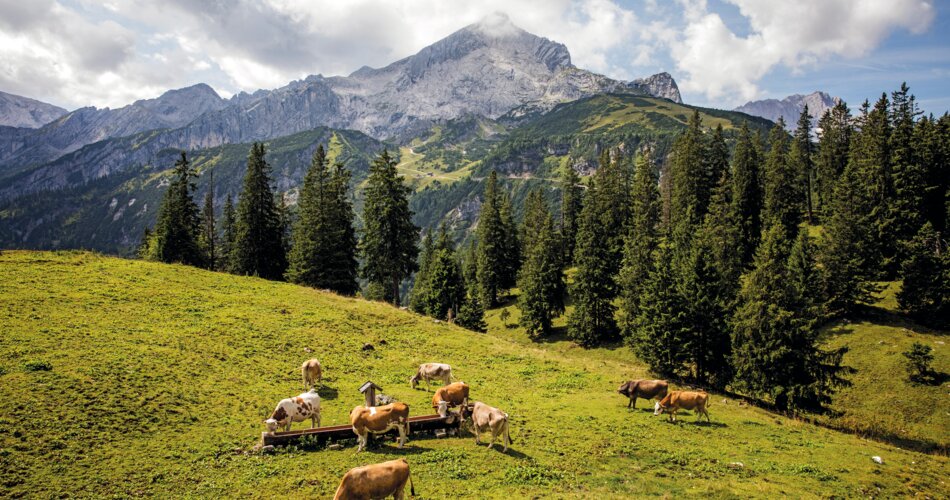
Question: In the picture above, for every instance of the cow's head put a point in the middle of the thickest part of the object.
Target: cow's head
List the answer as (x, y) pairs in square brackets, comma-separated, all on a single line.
[(658, 408), (443, 408), (271, 424), (624, 388), (413, 380)]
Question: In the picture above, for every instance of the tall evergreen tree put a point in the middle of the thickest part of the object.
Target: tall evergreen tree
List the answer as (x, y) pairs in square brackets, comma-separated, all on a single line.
[(871, 152), (511, 245), (492, 248), (782, 196), (176, 230), (747, 194), (420, 288), (717, 161), (909, 176), (228, 235), (571, 193), (613, 198), (324, 251), (541, 279), (932, 138), (642, 240), (834, 139), (444, 286), (925, 271), (662, 337), (775, 346), (689, 179), (801, 162), (389, 236), (259, 233), (209, 236)]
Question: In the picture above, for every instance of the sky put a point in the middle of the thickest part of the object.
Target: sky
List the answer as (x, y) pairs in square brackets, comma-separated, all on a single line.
[(722, 53)]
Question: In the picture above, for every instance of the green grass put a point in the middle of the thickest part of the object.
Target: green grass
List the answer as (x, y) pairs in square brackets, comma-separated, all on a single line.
[(419, 173), (160, 377)]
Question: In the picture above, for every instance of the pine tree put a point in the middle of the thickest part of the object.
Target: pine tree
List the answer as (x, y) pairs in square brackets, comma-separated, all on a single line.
[(541, 279), (259, 232), (782, 196), (471, 314), (662, 332), (176, 230), (511, 244), (571, 193), (717, 161), (420, 288), (775, 345), (592, 320), (444, 287), (834, 139), (871, 152), (228, 235), (925, 294), (389, 236), (209, 236), (144, 250), (492, 249), (747, 194), (909, 177), (932, 139), (613, 208), (642, 240), (324, 251), (800, 159), (689, 179)]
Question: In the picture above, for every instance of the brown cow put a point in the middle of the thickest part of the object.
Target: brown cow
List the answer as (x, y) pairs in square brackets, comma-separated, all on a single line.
[(376, 481), (380, 419), (646, 389), (485, 418), (685, 400), (453, 395), (312, 373), (431, 371)]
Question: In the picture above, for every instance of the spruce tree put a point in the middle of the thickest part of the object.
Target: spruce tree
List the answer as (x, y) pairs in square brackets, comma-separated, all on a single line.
[(932, 139), (420, 288), (511, 245), (389, 236), (925, 294), (747, 194), (541, 279), (259, 229), (801, 162), (642, 240), (471, 314), (775, 345), (444, 288), (571, 193), (228, 235), (324, 251), (782, 196), (209, 236), (717, 161), (689, 179), (613, 208), (909, 177), (492, 248), (662, 336), (176, 230), (871, 152), (834, 140)]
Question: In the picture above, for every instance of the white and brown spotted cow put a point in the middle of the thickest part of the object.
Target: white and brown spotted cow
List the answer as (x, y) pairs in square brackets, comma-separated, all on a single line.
[(378, 420), (298, 409), (311, 372), (376, 481), (486, 418), (431, 371)]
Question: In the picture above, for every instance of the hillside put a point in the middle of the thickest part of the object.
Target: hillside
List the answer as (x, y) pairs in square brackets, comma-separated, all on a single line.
[(159, 377)]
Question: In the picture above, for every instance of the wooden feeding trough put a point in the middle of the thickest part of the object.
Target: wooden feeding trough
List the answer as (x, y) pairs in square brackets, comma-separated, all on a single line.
[(322, 435)]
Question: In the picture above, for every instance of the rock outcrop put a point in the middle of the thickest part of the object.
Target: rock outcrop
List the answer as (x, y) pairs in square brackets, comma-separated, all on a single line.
[(18, 111), (790, 108)]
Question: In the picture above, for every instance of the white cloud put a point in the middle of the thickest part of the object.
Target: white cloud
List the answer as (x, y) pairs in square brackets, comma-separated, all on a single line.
[(716, 62)]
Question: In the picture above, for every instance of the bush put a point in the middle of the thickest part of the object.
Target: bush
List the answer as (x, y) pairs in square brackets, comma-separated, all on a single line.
[(919, 357), (37, 366)]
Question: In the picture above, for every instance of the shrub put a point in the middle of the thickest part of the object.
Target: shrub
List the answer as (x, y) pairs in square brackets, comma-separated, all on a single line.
[(37, 366), (919, 357)]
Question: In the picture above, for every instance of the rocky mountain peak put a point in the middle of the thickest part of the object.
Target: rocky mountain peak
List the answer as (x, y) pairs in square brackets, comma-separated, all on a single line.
[(660, 85), (18, 111), (790, 108)]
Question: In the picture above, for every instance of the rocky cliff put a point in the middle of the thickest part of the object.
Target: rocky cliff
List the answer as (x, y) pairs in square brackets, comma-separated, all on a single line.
[(790, 108), (18, 111)]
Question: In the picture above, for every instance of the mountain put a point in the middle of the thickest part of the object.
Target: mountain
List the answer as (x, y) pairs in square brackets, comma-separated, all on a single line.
[(18, 111), (790, 108)]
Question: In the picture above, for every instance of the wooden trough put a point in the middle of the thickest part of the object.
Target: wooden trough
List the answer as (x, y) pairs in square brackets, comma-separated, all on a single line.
[(420, 423)]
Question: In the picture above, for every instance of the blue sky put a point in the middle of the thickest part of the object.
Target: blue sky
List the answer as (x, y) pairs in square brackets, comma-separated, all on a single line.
[(721, 52)]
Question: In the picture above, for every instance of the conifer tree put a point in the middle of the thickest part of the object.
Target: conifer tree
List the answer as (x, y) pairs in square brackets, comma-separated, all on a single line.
[(775, 346), (259, 229), (209, 236), (228, 235), (689, 178), (389, 236), (642, 240), (925, 294), (908, 175), (324, 251), (717, 161), (471, 314), (176, 230), (832, 155), (800, 159), (662, 337), (420, 288), (747, 194), (144, 250), (541, 279), (444, 286), (932, 138), (613, 198), (571, 193), (782, 196), (511, 244), (492, 248), (871, 152)]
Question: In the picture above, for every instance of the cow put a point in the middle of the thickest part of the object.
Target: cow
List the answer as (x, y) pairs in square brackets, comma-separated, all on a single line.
[(312, 373), (298, 409), (453, 395), (380, 419), (685, 400), (431, 371), (376, 481), (485, 418), (646, 389)]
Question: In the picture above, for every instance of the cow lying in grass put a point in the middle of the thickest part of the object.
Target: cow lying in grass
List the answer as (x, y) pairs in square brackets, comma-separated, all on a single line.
[(486, 418), (646, 389), (376, 481), (378, 420), (298, 409), (685, 400), (431, 371), (450, 395)]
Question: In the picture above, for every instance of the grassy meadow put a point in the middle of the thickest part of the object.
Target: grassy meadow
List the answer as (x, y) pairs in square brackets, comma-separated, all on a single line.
[(127, 378)]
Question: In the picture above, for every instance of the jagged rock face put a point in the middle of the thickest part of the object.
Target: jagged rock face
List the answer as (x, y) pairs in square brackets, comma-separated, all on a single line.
[(659, 85), (18, 111), (790, 108)]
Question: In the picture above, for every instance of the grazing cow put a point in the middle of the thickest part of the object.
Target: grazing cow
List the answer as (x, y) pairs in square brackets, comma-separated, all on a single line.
[(453, 394), (431, 371), (646, 389), (376, 481), (312, 373), (685, 400), (380, 419), (298, 409), (485, 418)]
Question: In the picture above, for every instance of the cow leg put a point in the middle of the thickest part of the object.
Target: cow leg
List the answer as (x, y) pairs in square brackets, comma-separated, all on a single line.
[(494, 433), (633, 403)]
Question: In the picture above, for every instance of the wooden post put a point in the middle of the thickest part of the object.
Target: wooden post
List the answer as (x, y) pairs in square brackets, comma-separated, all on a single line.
[(369, 393)]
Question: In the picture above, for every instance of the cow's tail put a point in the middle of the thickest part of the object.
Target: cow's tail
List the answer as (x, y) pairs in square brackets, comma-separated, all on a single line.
[(507, 427), (412, 489)]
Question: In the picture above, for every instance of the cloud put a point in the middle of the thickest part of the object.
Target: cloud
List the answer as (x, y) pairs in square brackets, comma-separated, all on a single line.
[(716, 62)]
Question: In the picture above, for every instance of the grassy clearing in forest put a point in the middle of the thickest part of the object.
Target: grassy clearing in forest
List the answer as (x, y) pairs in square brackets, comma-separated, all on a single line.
[(159, 377)]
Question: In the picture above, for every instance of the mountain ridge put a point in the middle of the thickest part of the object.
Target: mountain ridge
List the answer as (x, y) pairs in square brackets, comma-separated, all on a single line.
[(790, 107), (23, 112)]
